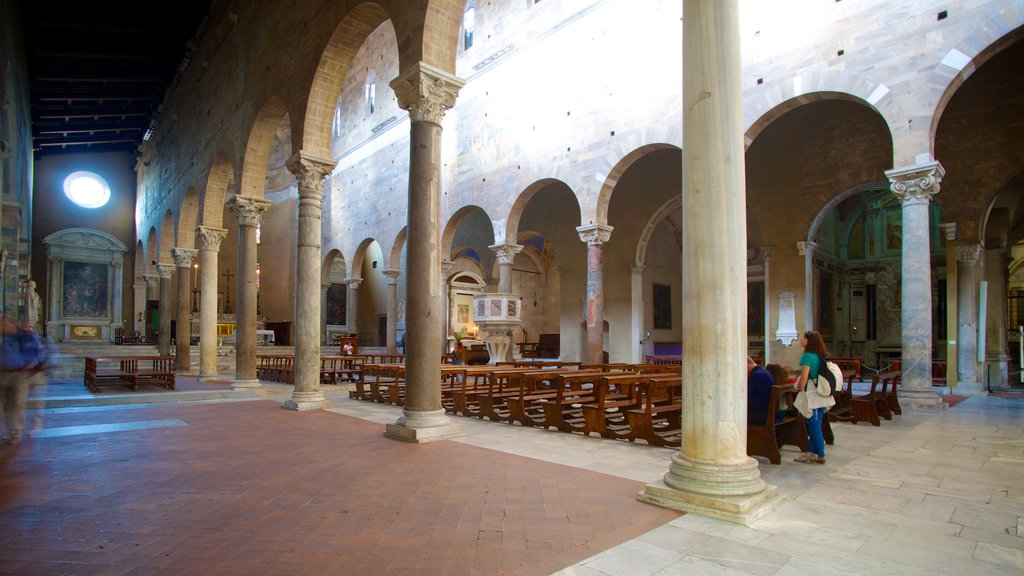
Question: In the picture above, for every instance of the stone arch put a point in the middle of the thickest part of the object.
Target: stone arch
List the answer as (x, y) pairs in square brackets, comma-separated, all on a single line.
[(395, 258), (140, 258), (357, 258), (257, 148), (511, 231), (435, 40), (325, 269), (213, 196), (188, 216), (767, 116), (331, 70), (448, 235), (823, 213), (673, 204), (152, 254), (604, 197), (166, 238)]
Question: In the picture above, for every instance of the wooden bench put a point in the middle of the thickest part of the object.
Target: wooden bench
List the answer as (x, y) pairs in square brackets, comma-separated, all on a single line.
[(614, 395), (658, 420), (129, 371), (765, 439), (849, 365)]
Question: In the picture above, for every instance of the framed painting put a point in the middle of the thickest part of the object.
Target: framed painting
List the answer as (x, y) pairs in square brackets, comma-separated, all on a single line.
[(662, 301), (755, 309), (85, 288), (89, 332), (337, 295), (462, 314)]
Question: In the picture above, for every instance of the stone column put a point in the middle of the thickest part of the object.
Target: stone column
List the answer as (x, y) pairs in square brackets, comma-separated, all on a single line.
[(152, 287), (426, 92), (117, 318), (996, 341), (310, 172), (391, 278), (352, 305), (209, 240), (915, 186), (636, 314), (768, 253), (324, 337), (183, 258), (506, 254), (248, 211), (139, 306), (594, 236), (163, 343), (968, 270), (806, 249), (446, 305), (55, 298), (712, 473)]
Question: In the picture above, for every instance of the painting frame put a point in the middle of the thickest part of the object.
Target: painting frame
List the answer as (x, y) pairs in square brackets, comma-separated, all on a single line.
[(85, 290), (661, 306), (755, 309)]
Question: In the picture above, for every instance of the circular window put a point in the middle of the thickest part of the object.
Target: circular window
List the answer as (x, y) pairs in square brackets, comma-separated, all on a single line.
[(86, 189)]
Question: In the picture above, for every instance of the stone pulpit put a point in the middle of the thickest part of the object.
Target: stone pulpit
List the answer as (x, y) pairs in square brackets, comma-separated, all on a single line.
[(497, 314)]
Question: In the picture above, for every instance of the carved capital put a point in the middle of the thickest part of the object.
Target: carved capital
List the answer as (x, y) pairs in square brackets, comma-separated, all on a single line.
[(391, 275), (637, 268), (446, 269), (210, 238), (916, 184), (353, 283), (164, 271), (310, 172), (968, 254), (426, 92), (183, 257), (506, 253), (768, 252), (806, 247), (248, 209), (152, 280), (594, 234)]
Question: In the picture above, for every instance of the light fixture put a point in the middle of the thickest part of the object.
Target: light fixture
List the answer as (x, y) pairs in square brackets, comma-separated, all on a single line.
[(86, 189), (149, 133)]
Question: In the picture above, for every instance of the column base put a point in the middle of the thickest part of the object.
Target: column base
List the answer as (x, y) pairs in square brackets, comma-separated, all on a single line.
[(245, 384), (209, 377), (745, 509), (307, 400), (423, 426), (922, 399), (969, 388)]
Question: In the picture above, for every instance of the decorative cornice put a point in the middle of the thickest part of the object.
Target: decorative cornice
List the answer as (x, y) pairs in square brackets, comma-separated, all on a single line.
[(310, 172), (426, 92), (183, 257), (506, 253), (164, 271), (391, 275), (248, 209), (210, 238), (968, 253), (595, 234), (917, 183)]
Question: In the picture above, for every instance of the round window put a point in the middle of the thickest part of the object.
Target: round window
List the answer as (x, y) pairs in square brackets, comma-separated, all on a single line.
[(87, 189)]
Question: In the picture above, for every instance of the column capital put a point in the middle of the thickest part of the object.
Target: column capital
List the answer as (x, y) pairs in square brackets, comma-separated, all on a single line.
[(595, 234), (391, 275), (805, 247), (506, 252), (768, 252), (310, 172), (164, 270), (637, 268), (968, 253), (353, 283), (426, 92), (210, 238), (183, 257), (248, 209), (151, 279), (916, 184), (446, 269)]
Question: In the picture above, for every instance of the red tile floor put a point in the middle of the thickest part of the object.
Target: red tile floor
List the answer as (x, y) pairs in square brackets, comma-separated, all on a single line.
[(251, 488)]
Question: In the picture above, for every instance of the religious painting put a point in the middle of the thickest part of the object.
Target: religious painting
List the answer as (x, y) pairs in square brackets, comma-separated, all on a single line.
[(85, 290), (481, 308), (662, 299), (337, 295), (893, 231), (462, 313), (755, 309), (513, 308), (91, 332), (495, 308)]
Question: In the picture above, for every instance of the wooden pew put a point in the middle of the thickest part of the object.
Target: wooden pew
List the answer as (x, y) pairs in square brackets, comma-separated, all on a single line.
[(614, 394), (129, 371), (658, 420), (564, 410), (765, 438)]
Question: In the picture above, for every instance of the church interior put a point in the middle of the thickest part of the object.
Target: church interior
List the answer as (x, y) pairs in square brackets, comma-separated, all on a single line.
[(318, 221)]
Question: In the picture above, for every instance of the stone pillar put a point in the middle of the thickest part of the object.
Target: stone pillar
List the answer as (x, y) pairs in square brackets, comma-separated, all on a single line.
[(209, 240), (446, 305), (117, 318), (594, 236), (183, 258), (915, 186), (712, 473), (968, 274), (996, 341), (352, 305), (139, 305), (806, 249), (636, 313), (248, 211), (391, 278), (163, 343), (55, 298), (152, 286), (506, 254), (310, 172), (426, 92), (768, 253), (324, 337)]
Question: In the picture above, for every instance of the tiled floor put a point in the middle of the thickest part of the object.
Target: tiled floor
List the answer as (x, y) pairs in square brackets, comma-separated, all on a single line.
[(249, 488)]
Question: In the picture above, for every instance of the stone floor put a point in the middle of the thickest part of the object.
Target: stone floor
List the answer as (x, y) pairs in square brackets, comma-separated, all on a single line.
[(236, 485)]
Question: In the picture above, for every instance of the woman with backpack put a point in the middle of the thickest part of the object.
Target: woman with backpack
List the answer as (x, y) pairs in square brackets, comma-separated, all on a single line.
[(811, 363)]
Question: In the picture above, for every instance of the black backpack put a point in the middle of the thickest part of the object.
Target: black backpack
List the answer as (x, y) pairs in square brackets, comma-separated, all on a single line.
[(831, 372)]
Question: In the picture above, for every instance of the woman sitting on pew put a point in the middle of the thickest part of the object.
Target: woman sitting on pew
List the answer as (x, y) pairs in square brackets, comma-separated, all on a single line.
[(810, 363)]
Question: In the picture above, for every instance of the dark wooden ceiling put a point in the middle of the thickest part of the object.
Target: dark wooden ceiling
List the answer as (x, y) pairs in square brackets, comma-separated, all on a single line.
[(99, 70)]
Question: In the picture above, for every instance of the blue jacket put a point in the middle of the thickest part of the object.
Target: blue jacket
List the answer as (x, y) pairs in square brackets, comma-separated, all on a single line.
[(22, 349)]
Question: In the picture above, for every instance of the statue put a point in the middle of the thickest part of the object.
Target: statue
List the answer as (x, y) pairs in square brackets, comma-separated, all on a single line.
[(32, 302)]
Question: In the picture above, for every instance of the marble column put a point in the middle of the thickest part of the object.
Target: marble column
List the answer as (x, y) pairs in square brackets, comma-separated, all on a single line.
[(712, 474), (446, 304), (391, 279), (636, 312), (310, 172), (248, 211), (996, 340), (426, 92), (806, 249), (768, 253), (163, 343), (506, 255), (915, 186), (183, 258), (594, 236), (139, 306), (968, 274), (209, 240), (117, 319), (352, 314), (152, 286)]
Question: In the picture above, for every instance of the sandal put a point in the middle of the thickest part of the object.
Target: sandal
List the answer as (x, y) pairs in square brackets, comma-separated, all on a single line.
[(806, 458), (819, 460)]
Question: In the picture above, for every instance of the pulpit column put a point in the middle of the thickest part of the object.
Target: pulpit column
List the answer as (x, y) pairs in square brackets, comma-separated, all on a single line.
[(506, 254), (163, 343), (353, 305), (426, 92), (594, 237), (914, 187), (209, 247), (310, 172), (391, 278), (968, 274), (183, 258), (248, 211)]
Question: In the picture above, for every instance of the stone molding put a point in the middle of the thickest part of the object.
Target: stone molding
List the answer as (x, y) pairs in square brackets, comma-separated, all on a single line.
[(805, 247), (506, 253), (310, 172), (164, 270), (151, 280), (594, 234), (968, 254), (353, 283), (183, 257), (210, 238), (391, 275), (426, 92), (249, 209), (916, 184)]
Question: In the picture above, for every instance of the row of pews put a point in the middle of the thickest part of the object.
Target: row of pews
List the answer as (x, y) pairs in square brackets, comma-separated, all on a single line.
[(620, 401), (333, 369), (872, 403)]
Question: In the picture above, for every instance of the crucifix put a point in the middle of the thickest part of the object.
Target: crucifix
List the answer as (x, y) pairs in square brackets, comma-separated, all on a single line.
[(227, 295)]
